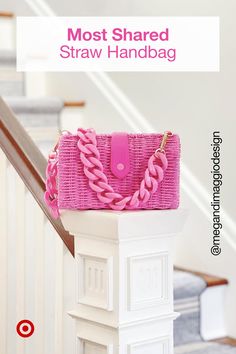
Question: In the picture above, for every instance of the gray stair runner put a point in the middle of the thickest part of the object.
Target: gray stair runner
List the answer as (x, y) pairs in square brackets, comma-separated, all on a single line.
[(205, 348), (7, 57), (187, 291), (187, 337), (36, 112), (11, 82), (40, 117)]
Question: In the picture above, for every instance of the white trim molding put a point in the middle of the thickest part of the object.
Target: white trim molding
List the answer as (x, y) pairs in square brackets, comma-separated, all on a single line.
[(125, 289), (95, 281), (159, 345), (148, 280)]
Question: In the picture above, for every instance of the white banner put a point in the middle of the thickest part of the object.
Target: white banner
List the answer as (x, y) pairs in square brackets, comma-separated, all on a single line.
[(117, 43)]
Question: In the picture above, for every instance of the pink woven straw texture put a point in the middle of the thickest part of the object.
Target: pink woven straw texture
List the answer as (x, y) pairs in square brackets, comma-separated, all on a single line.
[(75, 193)]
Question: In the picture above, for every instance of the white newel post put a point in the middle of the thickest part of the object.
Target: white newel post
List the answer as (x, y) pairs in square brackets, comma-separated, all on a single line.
[(124, 281)]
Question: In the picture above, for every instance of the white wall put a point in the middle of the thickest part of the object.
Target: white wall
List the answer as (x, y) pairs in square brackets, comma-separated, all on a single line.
[(19, 8)]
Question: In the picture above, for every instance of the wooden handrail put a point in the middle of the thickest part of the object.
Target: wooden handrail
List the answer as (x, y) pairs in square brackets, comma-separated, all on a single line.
[(6, 14), (74, 103), (210, 280), (30, 164)]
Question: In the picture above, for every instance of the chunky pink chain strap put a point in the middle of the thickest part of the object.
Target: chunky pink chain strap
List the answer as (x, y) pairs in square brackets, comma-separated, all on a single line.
[(93, 169), (51, 194)]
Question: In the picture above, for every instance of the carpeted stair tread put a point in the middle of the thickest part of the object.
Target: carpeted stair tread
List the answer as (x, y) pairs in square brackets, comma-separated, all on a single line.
[(40, 117), (36, 112), (11, 82), (35, 105), (187, 290), (205, 348), (187, 285), (7, 57)]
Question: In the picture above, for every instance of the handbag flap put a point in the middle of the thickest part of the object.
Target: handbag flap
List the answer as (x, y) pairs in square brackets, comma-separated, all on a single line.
[(120, 164)]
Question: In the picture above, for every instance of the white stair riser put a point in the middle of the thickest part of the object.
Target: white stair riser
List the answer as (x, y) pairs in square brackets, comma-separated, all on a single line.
[(73, 118), (212, 302), (32, 90), (7, 27)]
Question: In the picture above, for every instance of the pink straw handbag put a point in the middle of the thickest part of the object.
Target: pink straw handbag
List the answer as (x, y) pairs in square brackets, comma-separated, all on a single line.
[(117, 171)]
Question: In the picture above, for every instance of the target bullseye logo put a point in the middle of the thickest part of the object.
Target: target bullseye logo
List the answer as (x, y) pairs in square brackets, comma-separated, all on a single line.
[(25, 328)]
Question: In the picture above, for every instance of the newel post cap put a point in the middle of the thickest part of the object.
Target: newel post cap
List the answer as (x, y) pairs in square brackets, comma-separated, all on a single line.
[(117, 225)]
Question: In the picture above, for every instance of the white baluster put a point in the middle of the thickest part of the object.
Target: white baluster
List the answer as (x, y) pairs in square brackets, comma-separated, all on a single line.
[(59, 266), (39, 286), (33, 262), (3, 253), (20, 257)]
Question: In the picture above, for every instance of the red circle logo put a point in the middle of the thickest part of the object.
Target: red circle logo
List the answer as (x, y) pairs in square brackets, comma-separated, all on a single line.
[(25, 328)]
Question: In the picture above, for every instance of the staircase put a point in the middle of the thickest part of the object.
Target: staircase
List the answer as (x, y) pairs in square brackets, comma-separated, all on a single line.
[(42, 117), (187, 291), (197, 297)]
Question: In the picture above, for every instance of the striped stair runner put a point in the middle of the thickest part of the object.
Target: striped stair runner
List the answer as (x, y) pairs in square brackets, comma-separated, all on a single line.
[(205, 348), (40, 117), (187, 338), (11, 82), (187, 290)]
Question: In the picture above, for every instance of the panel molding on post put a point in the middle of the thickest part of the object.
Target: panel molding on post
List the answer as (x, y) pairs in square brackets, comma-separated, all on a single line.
[(85, 346), (131, 254), (95, 281), (151, 346), (148, 280)]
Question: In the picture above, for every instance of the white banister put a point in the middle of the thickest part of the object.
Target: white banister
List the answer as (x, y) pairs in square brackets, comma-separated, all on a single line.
[(124, 280), (33, 266), (59, 294), (39, 280), (3, 253), (20, 258)]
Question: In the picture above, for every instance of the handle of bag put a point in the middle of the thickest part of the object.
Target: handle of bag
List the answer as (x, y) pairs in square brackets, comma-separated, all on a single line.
[(98, 182), (51, 193)]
